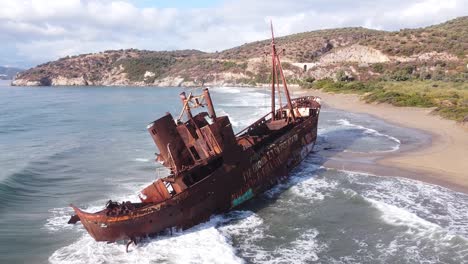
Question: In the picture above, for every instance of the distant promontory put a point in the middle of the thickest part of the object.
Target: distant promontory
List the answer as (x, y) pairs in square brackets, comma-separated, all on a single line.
[(8, 73)]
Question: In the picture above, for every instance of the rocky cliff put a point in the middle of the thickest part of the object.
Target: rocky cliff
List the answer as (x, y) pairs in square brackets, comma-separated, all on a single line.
[(436, 52)]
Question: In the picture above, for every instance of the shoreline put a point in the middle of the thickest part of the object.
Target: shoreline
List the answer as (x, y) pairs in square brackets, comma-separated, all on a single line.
[(438, 161)]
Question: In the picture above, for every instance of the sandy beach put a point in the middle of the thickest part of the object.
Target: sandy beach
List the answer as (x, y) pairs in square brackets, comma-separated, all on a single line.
[(443, 160)]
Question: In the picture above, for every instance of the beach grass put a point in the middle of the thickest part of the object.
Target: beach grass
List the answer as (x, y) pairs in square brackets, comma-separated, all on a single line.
[(449, 99)]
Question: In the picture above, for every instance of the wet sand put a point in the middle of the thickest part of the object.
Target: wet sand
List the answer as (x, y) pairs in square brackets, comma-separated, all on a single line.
[(442, 160)]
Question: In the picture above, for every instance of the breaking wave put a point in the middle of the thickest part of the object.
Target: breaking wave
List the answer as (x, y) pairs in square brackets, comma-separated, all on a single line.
[(416, 236), (370, 131), (204, 243), (58, 219), (142, 160), (241, 122), (433, 203), (226, 89)]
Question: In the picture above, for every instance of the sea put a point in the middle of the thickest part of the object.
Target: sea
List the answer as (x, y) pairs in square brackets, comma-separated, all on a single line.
[(87, 145)]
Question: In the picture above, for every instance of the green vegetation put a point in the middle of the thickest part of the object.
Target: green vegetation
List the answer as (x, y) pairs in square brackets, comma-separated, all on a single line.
[(429, 70), (136, 67), (450, 99), (450, 37), (229, 65)]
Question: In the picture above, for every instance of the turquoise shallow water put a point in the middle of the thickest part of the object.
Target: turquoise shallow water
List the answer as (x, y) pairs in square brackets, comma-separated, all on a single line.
[(87, 145)]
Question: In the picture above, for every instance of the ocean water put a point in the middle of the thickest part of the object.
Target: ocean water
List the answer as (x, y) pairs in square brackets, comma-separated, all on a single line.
[(86, 145)]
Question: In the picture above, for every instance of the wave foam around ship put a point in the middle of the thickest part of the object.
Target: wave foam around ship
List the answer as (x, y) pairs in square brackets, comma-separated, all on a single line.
[(204, 243), (405, 207)]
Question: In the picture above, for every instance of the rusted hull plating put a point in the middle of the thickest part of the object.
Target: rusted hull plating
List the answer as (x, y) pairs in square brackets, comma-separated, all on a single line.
[(248, 174)]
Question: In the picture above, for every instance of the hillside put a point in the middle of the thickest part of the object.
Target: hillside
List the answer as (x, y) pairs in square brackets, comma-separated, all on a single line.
[(437, 52), (8, 73)]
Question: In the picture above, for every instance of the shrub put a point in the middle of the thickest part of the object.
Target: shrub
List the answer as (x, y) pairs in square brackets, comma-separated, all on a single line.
[(399, 98), (136, 68), (228, 65), (378, 67), (341, 76)]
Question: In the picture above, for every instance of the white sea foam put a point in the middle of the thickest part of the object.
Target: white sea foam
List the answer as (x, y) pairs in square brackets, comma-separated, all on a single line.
[(367, 130), (426, 217), (242, 223), (423, 223), (250, 229), (227, 89), (303, 249), (58, 219), (305, 172), (142, 160), (205, 243), (243, 121), (399, 217), (202, 244), (234, 122), (434, 203), (370, 131), (252, 102), (419, 235), (314, 189)]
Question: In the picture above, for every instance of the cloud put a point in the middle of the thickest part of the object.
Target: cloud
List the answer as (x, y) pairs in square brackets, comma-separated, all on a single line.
[(33, 31)]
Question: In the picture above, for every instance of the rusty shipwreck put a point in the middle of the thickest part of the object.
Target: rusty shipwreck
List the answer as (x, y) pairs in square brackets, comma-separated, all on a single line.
[(212, 170)]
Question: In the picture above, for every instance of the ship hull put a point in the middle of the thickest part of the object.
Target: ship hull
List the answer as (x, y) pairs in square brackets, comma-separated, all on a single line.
[(248, 174)]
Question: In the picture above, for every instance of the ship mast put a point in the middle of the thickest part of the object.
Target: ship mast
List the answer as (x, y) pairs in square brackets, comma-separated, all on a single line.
[(277, 68), (273, 73)]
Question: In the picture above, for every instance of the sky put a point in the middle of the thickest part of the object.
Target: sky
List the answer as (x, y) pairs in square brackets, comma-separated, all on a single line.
[(37, 31)]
